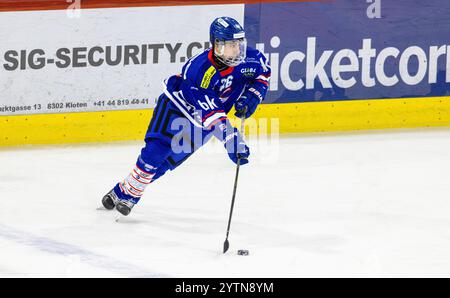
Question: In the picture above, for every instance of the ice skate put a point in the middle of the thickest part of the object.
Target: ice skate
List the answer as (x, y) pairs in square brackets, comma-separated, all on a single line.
[(110, 200), (124, 207)]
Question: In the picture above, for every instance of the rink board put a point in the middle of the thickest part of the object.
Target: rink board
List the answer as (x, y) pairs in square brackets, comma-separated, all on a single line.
[(292, 118), (59, 72)]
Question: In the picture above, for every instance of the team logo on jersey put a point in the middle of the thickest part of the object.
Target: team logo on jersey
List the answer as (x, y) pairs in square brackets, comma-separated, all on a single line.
[(248, 72), (207, 77)]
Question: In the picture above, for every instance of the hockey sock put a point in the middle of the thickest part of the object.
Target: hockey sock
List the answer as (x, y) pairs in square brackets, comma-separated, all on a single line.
[(134, 184)]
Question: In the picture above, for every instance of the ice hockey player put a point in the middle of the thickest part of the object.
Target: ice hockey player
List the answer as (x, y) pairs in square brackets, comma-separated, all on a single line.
[(194, 108)]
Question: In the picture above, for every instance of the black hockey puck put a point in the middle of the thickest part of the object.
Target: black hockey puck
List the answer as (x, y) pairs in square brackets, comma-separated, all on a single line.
[(243, 252)]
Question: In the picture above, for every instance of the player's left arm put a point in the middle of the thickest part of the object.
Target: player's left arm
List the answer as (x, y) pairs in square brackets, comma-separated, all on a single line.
[(256, 90)]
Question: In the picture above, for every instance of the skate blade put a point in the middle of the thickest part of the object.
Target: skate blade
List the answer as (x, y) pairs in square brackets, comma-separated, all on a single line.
[(117, 216), (102, 208)]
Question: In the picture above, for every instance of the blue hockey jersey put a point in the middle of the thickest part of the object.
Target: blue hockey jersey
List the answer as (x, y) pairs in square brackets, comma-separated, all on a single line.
[(205, 94)]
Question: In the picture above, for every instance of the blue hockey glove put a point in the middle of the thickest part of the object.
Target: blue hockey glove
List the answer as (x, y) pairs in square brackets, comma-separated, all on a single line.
[(236, 147), (250, 101)]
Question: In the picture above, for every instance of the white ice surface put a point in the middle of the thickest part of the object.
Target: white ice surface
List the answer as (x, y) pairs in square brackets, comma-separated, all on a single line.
[(365, 204)]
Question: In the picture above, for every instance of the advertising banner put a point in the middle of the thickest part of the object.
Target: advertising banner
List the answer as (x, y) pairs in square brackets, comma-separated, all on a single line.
[(117, 58), (101, 59), (353, 49)]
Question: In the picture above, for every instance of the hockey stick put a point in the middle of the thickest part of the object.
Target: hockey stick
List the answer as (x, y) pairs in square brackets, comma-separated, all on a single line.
[(226, 244)]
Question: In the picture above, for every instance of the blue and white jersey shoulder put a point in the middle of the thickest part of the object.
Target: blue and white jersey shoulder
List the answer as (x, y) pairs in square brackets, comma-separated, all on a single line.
[(205, 93)]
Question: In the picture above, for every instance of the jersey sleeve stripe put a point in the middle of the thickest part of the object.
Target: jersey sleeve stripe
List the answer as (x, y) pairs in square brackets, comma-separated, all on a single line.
[(211, 119), (212, 113), (264, 77), (216, 121), (264, 82)]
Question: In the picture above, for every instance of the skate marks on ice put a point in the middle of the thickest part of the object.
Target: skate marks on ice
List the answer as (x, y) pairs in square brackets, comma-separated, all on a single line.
[(63, 249)]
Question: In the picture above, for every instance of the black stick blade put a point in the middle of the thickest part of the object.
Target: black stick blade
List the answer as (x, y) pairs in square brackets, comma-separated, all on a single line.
[(226, 245)]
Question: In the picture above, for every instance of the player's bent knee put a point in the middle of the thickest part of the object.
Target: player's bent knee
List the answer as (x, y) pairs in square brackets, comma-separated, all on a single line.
[(155, 152)]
